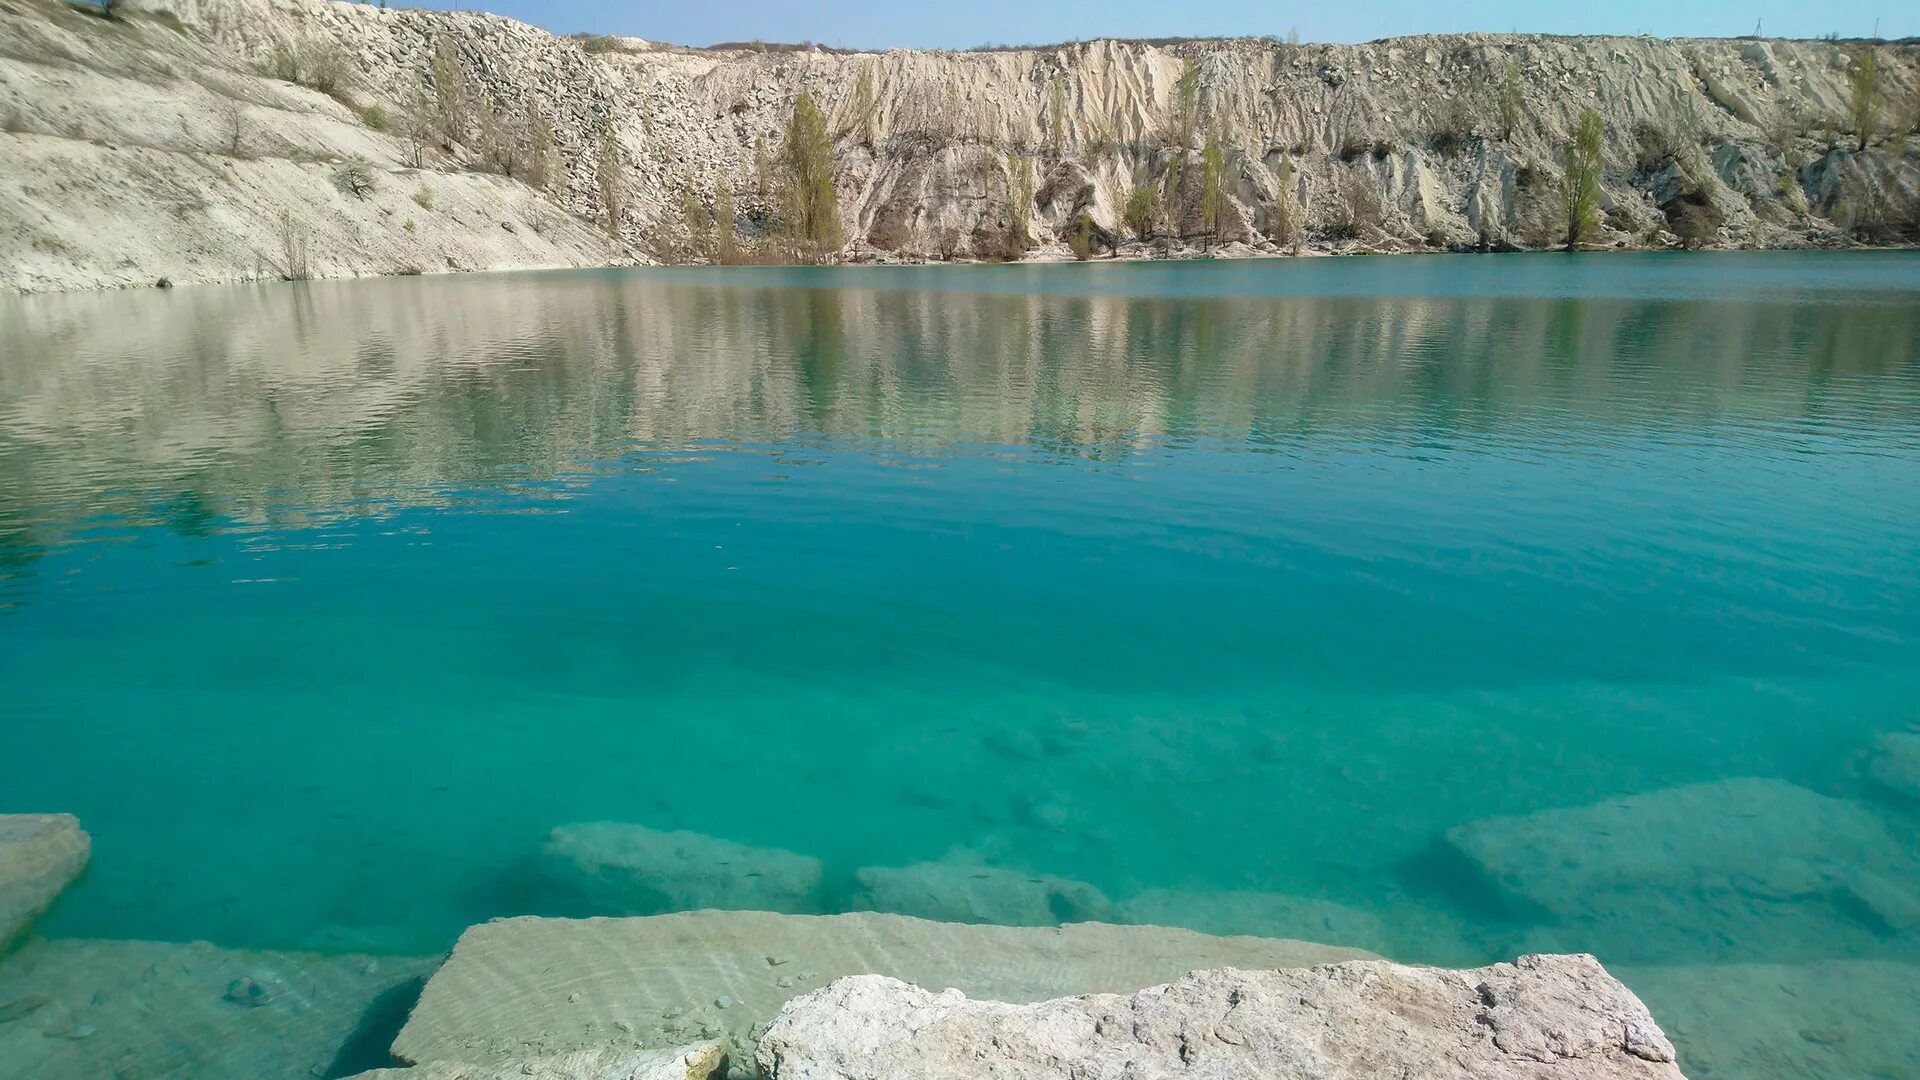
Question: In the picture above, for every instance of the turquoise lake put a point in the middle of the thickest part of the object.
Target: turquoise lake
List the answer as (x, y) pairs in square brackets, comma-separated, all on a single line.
[(322, 605)]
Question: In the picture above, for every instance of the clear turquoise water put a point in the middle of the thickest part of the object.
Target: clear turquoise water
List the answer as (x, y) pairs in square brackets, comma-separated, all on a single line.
[(322, 605)]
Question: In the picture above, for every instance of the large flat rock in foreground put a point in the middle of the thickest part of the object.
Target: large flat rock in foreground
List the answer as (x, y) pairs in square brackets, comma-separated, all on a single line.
[(518, 989), (40, 854), (1562, 1017)]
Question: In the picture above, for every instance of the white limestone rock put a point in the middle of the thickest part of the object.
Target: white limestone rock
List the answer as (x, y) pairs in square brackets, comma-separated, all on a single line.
[(1559, 1016), (40, 855), (697, 1061), (963, 892), (613, 868), (520, 989)]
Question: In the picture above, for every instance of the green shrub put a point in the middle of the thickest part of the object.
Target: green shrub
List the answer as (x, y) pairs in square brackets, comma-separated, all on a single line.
[(1142, 210), (424, 197), (374, 117)]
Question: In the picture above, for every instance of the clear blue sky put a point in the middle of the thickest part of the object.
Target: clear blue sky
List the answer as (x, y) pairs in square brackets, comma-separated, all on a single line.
[(915, 23)]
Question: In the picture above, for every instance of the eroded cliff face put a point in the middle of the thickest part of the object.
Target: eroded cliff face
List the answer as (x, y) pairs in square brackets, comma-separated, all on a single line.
[(123, 164)]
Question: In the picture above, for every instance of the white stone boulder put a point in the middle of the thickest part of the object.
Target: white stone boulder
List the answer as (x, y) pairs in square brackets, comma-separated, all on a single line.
[(614, 868), (1544, 1016), (40, 855), (962, 892), (517, 990)]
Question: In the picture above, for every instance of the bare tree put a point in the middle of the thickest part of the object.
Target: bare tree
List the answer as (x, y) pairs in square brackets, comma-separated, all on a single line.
[(233, 126)]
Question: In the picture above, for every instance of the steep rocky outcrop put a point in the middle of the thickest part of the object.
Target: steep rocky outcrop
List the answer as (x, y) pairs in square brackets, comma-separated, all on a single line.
[(40, 854), (153, 145), (1560, 1016)]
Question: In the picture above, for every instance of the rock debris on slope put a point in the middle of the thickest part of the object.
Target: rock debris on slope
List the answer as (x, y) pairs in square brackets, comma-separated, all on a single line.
[(154, 146)]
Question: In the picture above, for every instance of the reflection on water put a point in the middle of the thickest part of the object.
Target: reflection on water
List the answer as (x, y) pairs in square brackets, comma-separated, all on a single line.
[(1339, 599)]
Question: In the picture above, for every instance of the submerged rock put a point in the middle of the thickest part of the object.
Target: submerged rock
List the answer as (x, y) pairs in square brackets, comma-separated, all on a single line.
[(696, 1061), (1704, 869), (143, 1009), (967, 893), (1562, 1016), (1263, 914), (40, 855), (1829, 1020), (1896, 763), (516, 988), (612, 868)]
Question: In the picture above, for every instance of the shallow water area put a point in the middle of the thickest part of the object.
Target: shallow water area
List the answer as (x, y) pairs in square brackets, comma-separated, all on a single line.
[(1445, 607)]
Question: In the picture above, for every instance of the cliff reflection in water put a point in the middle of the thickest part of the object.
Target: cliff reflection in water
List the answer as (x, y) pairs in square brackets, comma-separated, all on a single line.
[(282, 405)]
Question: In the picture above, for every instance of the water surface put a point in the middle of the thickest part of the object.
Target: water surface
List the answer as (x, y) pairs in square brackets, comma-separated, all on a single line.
[(321, 605)]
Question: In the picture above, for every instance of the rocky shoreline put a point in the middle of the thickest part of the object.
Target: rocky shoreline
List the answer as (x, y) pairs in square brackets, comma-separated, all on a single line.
[(956, 967), (236, 140)]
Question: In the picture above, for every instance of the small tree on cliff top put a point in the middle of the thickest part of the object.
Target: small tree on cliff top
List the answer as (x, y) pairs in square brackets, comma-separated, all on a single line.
[(809, 209)]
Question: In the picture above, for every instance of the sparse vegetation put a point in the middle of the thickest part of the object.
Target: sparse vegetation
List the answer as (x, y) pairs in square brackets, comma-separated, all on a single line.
[(423, 198), (539, 156), (1512, 100), (1863, 104), (726, 246), (355, 178), (1183, 116), (1019, 205), (1212, 195), (698, 223), (233, 127), (1355, 211), (1695, 220), (600, 43), (317, 62), (1580, 185), (293, 249), (417, 124), (1286, 214), (809, 208), (1142, 210), (610, 182), (1057, 117), (407, 227), (374, 117), (1171, 179), (451, 107)]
